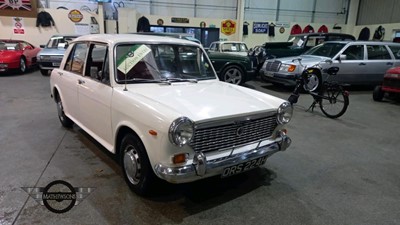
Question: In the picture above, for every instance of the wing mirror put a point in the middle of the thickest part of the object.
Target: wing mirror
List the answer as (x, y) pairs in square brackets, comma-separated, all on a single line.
[(342, 57), (42, 46)]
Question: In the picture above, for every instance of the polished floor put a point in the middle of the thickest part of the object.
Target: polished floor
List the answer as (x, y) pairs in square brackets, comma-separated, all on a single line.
[(343, 171)]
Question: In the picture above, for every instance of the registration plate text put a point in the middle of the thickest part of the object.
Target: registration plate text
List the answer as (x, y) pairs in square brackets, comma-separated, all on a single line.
[(242, 167)]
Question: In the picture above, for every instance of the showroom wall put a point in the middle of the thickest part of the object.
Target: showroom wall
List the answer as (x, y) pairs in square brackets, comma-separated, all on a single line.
[(40, 35)]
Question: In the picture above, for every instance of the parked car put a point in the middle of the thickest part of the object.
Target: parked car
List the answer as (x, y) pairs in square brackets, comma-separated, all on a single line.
[(17, 55), (390, 86), (235, 69), (359, 62), (296, 45), (231, 47), (157, 104), (52, 53)]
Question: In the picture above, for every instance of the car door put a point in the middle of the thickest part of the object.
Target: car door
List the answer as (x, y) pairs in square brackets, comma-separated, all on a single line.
[(69, 78), (352, 68), (378, 61), (95, 94)]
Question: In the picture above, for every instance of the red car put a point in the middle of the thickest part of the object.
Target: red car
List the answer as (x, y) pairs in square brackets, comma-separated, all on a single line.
[(390, 85), (17, 54)]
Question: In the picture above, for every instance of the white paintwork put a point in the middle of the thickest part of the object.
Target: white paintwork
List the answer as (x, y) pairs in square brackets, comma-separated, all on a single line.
[(102, 109), (222, 43)]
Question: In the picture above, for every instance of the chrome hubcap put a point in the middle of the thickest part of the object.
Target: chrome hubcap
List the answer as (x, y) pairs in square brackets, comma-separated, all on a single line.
[(22, 65), (132, 164), (233, 76), (312, 84)]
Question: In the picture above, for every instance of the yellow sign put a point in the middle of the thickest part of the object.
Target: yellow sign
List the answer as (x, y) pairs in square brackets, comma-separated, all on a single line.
[(228, 27), (75, 16)]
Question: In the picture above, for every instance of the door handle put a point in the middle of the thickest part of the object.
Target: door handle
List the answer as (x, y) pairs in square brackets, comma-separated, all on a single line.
[(81, 81), (362, 64), (389, 63), (59, 73)]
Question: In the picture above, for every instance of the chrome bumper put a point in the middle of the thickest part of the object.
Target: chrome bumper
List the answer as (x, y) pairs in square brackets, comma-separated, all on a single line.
[(201, 168)]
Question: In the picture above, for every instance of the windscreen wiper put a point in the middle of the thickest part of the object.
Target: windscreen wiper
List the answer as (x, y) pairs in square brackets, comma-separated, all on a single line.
[(180, 80)]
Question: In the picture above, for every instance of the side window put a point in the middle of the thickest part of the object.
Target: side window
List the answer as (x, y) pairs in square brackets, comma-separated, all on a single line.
[(354, 52), (76, 59), (212, 47), (95, 61), (395, 50), (377, 52)]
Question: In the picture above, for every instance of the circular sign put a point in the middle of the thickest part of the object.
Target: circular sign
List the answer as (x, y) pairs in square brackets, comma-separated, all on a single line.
[(203, 24), (75, 16), (282, 30), (59, 196), (160, 22)]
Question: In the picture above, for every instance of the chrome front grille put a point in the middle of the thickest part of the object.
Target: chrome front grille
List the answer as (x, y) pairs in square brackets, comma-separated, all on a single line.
[(273, 66), (232, 133)]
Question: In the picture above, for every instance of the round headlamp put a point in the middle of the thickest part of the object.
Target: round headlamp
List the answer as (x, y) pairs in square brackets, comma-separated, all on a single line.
[(181, 131), (285, 112)]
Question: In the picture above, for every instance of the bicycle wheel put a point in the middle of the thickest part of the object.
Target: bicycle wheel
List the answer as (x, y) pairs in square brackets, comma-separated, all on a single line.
[(334, 102)]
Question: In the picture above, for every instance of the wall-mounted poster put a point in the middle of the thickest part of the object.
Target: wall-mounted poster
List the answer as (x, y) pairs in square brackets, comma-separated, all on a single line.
[(20, 8), (18, 25), (228, 27)]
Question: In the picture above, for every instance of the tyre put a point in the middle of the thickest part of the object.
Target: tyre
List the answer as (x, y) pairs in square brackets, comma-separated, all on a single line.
[(313, 82), (44, 72), (233, 74), (334, 102), (65, 121), (378, 94), (22, 65), (136, 166)]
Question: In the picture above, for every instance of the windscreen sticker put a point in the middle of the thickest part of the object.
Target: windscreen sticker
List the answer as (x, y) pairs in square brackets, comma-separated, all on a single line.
[(132, 57), (300, 43)]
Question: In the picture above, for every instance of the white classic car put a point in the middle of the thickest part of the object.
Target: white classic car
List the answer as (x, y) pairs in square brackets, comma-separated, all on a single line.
[(157, 103)]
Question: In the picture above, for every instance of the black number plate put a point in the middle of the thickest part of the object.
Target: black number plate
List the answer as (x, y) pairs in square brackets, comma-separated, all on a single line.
[(242, 167)]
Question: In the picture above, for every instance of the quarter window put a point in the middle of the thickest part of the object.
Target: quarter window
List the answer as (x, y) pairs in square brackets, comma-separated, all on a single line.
[(377, 52)]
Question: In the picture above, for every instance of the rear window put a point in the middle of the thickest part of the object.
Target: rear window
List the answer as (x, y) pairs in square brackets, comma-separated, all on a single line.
[(377, 52)]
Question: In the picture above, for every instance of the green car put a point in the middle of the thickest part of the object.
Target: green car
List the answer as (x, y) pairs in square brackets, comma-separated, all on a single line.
[(231, 68)]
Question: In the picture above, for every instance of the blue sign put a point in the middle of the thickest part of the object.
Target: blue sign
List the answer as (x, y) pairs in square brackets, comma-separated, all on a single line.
[(260, 27)]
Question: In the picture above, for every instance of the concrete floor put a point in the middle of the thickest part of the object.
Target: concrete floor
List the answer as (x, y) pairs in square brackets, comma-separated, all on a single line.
[(344, 171)]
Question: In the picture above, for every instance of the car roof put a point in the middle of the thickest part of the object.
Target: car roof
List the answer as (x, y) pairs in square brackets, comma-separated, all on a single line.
[(223, 42), (11, 40), (365, 42), (65, 35), (322, 34), (113, 39)]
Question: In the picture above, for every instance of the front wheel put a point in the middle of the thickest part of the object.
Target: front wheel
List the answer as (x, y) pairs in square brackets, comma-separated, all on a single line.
[(334, 102), (233, 74), (313, 82), (378, 94), (136, 166)]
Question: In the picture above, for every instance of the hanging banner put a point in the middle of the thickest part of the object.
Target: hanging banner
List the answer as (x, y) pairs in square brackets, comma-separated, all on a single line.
[(18, 25), (228, 27), (260, 27)]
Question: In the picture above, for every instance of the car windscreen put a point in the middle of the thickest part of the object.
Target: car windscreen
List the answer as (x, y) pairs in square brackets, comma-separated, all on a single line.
[(57, 42), (159, 62), (234, 47), (9, 46), (297, 40), (326, 49)]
